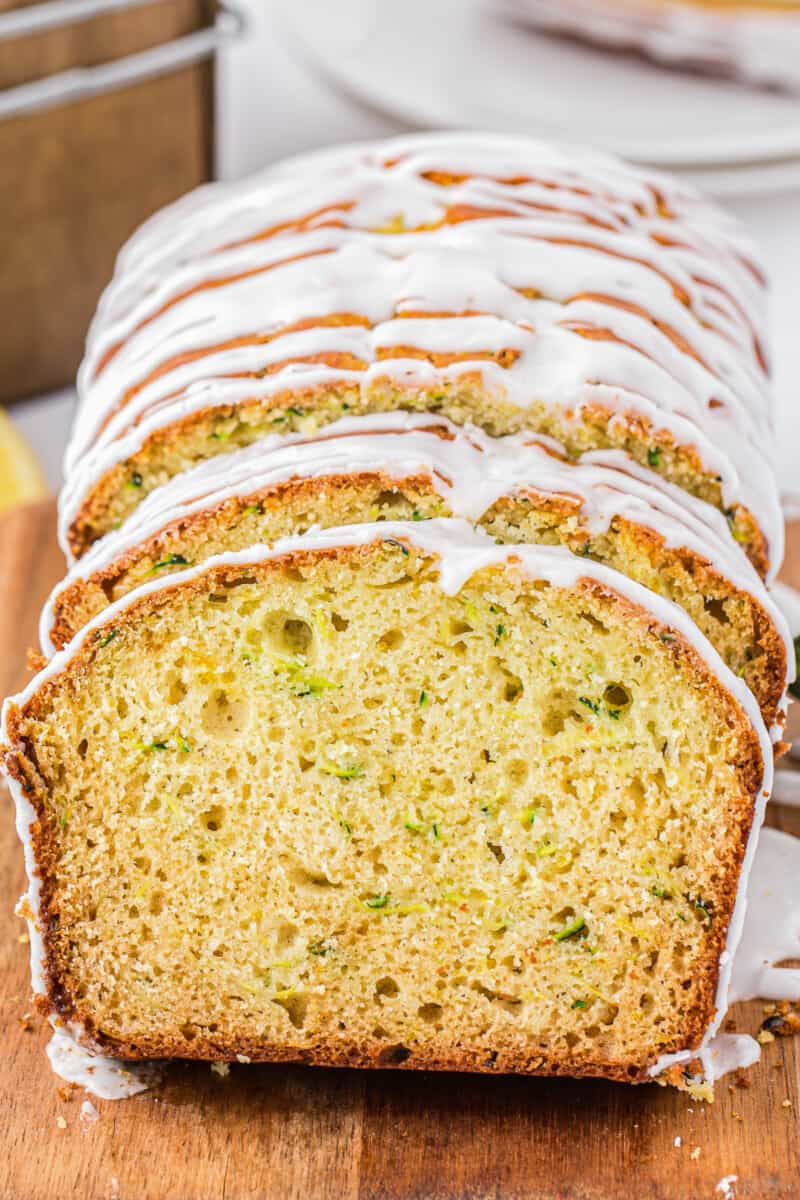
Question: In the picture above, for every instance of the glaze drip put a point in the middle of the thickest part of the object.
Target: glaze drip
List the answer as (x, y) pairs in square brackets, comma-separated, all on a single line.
[(469, 469), (559, 280)]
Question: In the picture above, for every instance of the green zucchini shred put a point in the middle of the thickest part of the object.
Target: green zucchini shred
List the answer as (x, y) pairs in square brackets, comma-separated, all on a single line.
[(352, 771), (172, 560), (575, 927)]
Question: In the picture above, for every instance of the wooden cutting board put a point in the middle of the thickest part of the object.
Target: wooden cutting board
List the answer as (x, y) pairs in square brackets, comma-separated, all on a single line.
[(300, 1133)]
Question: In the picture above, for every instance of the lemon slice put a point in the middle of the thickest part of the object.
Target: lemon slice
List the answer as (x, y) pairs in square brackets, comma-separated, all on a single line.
[(21, 477)]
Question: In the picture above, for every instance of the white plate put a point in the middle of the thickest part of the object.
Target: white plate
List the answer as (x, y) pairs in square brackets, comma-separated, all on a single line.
[(457, 63), (748, 181)]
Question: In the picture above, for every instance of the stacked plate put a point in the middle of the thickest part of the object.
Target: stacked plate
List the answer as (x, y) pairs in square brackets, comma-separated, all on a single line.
[(462, 63)]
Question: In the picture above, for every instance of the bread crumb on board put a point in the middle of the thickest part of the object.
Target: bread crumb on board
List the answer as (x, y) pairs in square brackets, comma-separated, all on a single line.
[(781, 1020)]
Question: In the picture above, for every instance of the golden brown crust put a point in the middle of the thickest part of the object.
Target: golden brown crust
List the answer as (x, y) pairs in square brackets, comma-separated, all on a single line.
[(493, 1058), (594, 426), (85, 597), (35, 661), (436, 1054), (766, 677)]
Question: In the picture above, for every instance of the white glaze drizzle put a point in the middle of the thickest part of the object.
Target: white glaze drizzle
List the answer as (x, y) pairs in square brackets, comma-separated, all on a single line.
[(770, 934), (786, 789), (758, 43), (788, 600), (106, 1078), (462, 551), (772, 927), (469, 469), (89, 1113), (157, 306)]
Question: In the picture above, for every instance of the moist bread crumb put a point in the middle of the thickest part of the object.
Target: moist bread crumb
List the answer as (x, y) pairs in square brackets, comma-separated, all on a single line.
[(314, 808)]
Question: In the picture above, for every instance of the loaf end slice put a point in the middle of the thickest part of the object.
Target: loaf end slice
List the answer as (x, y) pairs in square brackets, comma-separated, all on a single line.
[(388, 796)]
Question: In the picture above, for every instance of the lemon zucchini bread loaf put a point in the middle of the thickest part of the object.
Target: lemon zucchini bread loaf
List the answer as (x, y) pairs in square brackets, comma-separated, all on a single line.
[(494, 280), (414, 467), (408, 691), (757, 40), (395, 795)]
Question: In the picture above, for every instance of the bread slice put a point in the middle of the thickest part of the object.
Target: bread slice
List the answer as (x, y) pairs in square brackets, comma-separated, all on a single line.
[(406, 466), (496, 281), (390, 795)]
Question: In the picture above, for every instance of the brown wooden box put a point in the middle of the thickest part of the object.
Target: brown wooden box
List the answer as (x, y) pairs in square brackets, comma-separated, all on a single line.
[(77, 177)]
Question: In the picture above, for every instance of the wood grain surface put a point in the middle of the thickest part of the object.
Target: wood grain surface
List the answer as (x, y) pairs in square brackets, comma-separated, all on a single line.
[(301, 1133)]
